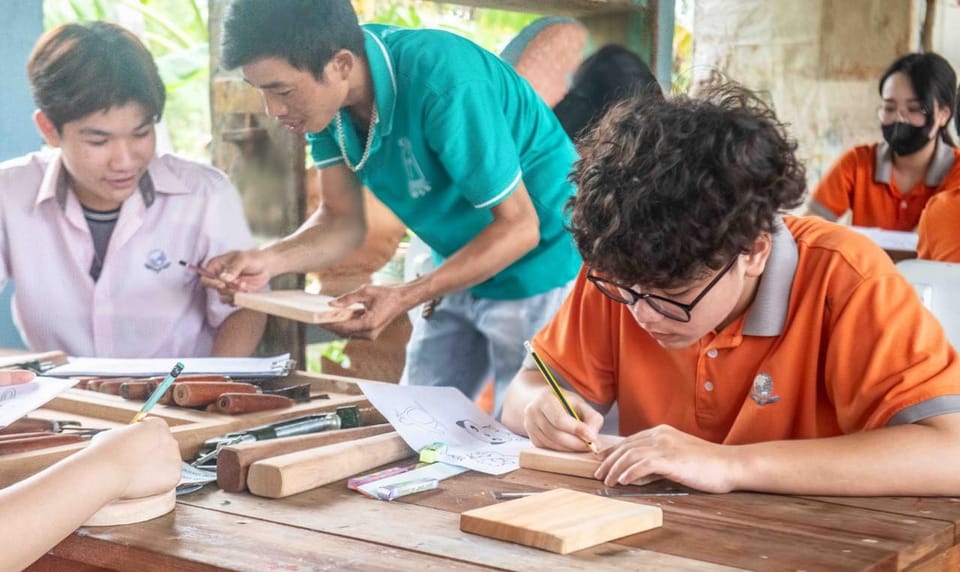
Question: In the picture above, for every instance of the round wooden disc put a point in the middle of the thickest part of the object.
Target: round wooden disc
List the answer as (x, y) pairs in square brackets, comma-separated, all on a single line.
[(130, 511)]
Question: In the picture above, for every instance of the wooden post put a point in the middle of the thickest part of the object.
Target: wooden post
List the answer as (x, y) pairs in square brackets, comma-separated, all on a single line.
[(266, 163)]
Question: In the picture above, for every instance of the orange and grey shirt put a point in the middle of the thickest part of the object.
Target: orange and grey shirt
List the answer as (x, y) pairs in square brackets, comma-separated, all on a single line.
[(862, 181), (939, 228), (836, 341)]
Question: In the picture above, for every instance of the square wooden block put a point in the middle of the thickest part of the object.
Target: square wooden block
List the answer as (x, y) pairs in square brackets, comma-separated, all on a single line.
[(561, 520)]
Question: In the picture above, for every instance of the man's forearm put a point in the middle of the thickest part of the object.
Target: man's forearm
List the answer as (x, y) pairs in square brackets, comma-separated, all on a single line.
[(498, 246), (320, 242), (239, 334)]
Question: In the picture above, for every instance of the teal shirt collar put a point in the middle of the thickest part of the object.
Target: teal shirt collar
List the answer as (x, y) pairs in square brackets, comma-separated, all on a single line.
[(384, 79)]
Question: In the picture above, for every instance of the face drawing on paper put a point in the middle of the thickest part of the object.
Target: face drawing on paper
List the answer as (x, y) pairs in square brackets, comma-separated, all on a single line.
[(486, 433), (416, 416)]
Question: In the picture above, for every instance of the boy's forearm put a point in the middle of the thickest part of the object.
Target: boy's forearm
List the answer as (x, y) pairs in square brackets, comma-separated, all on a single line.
[(918, 459)]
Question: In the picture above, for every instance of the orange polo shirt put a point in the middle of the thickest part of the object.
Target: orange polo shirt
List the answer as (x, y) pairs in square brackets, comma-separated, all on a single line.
[(835, 341), (861, 181), (940, 228)]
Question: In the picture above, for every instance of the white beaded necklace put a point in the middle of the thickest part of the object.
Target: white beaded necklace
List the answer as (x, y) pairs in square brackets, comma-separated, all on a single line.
[(374, 117)]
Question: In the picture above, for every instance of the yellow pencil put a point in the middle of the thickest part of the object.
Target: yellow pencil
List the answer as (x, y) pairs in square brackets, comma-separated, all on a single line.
[(545, 371), (158, 393)]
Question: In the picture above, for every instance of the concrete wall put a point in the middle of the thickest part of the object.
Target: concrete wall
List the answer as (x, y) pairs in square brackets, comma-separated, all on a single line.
[(816, 61), (21, 25)]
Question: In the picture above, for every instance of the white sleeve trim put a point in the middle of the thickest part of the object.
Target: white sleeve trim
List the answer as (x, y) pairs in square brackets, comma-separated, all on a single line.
[(328, 162), (513, 185)]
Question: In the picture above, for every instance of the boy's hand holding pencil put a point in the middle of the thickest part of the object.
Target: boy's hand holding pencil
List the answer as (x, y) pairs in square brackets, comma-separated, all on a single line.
[(569, 421)]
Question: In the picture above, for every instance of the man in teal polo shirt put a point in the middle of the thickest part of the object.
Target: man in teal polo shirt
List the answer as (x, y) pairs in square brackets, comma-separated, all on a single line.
[(453, 141)]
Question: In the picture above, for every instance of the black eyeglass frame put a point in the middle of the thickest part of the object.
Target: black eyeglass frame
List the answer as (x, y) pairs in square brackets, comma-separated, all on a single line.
[(653, 300)]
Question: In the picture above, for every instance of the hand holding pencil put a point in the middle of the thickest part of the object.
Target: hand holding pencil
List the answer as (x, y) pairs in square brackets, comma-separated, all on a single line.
[(557, 391)]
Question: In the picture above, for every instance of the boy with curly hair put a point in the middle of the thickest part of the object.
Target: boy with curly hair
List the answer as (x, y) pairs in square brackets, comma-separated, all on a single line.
[(746, 349)]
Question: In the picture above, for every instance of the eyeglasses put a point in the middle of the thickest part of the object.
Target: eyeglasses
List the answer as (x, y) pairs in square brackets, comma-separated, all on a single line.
[(915, 114), (664, 306)]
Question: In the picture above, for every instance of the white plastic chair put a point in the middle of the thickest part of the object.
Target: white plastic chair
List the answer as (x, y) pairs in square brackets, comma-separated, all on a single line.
[(938, 284)]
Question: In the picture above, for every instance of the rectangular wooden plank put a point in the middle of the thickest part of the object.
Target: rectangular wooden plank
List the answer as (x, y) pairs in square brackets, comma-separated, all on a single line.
[(338, 510), (561, 520), (567, 463), (296, 305)]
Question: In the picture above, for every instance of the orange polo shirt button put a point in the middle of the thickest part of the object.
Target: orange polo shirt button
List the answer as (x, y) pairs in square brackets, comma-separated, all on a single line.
[(903, 204), (713, 353), (708, 386)]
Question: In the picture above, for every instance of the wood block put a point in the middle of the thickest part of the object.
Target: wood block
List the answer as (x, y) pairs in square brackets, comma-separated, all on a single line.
[(296, 305), (561, 520), (130, 511), (289, 474), (234, 462), (566, 463)]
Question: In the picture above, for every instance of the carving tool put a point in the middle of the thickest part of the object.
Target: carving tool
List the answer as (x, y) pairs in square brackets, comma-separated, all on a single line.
[(505, 495), (157, 393), (343, 418), (545, 371), (237, 403)]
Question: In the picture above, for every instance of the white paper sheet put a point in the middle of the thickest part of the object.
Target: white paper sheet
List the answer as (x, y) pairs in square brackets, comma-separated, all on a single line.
[(425, 415), (890, 239), (235, 367), (18, 400)]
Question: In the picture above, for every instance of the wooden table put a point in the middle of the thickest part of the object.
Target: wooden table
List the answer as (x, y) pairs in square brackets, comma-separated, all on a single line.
[(333, 528)]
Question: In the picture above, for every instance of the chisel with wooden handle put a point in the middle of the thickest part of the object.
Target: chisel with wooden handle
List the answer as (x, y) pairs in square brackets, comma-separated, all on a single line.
[(237, 403), (234, 461), (203, 393), (293, 473), (167, 397)]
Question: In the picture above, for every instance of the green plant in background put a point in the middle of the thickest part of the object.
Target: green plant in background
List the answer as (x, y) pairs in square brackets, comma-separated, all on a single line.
[(333, 351), (176, 34)]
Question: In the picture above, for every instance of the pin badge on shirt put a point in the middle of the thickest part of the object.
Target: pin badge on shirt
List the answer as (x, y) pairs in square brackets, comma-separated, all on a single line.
[(762, 391), (157, 260)]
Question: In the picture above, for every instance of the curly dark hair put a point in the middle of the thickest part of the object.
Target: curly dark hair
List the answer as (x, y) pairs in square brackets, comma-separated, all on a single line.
[(670, 190)]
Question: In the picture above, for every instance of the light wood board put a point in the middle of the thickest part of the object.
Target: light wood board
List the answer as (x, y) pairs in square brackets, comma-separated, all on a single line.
[(561, 520), (130, 511), (566, 463), (296, 305), (292, 473)]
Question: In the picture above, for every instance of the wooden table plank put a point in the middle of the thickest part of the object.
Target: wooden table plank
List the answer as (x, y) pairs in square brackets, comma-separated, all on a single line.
[(912, 539), (337, 510), (185, 540), (940, 508), (699, 535)]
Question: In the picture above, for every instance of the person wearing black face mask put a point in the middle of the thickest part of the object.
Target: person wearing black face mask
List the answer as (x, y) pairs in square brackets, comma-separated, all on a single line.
[(888, 184)]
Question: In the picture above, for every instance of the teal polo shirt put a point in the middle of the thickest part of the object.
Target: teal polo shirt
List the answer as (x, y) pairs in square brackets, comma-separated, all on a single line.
[(458, 130)]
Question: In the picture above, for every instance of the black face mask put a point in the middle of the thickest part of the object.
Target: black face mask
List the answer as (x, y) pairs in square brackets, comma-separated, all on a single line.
[(904, 138)]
